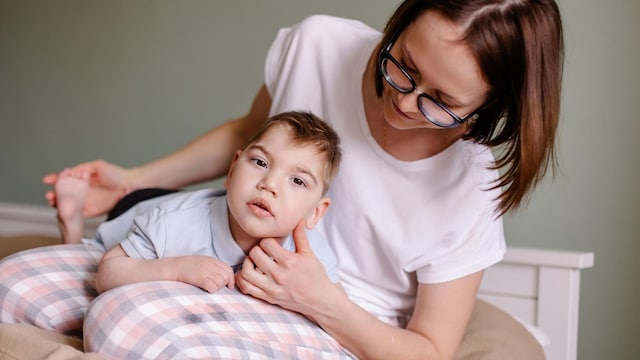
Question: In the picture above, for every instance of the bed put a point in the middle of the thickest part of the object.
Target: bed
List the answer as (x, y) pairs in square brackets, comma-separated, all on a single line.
[(541, 288), (538, 287)]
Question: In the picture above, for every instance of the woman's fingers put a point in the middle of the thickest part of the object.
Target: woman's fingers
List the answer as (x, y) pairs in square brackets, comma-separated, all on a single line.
[(251, 280), (266, 255), (300, 239)]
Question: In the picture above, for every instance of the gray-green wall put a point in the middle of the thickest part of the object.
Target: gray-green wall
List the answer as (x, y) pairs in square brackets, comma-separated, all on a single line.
[(129, 81)]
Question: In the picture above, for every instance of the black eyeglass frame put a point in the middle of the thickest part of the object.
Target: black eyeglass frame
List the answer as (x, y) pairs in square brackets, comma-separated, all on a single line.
[(385, 53)]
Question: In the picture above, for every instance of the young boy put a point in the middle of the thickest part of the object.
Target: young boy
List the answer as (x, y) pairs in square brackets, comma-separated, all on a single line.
[(278, 181)]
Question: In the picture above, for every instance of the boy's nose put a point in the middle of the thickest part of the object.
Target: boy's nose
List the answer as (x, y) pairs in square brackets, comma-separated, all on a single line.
[(268, 184)]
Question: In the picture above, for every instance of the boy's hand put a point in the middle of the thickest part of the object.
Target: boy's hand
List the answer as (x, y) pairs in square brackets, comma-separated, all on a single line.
[(205, 272)]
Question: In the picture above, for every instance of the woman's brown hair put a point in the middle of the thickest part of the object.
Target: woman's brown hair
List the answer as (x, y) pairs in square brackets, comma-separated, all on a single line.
[(519, 47)]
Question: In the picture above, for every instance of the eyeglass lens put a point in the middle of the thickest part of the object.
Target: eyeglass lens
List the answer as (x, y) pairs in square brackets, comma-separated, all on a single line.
[(399, 80)]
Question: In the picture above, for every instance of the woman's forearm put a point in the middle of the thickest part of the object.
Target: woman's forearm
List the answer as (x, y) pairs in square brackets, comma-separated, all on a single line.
[(205, 158), (369, 338), (437, 325), (208, 156)]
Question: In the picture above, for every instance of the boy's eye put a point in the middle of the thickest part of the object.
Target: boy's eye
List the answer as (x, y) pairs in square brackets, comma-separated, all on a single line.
[(259, 162), (299, 182)]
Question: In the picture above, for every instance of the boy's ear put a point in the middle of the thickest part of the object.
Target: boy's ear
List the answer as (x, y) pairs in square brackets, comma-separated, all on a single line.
[(233, 163), (312, 220)]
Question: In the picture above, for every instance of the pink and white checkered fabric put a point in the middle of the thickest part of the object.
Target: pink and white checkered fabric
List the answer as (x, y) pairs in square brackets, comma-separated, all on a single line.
[(49, 287), (173, 320), (53, 288)]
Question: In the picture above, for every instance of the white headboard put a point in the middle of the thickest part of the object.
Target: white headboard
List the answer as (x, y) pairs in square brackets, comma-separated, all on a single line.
[(542, 289)]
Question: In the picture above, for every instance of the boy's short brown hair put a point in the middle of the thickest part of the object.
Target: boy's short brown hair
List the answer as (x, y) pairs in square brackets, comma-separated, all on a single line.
[(307, 128)]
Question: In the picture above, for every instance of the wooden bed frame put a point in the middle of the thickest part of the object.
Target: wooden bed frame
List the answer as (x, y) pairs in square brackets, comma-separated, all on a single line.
[(539, 287)]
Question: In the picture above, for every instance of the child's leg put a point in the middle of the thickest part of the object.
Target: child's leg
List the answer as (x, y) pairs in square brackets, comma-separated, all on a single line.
[(170, 319), (71, 190), (49, 287)]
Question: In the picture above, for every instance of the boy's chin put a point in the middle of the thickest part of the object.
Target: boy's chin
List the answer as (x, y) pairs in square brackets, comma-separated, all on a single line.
[(266, 236), (258, 233)]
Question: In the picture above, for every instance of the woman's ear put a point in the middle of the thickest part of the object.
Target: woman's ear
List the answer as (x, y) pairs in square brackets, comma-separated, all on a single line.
[(233, 163), (470, 123), (312, 220)]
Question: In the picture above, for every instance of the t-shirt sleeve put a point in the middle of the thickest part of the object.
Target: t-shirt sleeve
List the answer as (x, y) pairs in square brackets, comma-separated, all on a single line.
[(477, 244), (288, 50), (482, 247), (273, 61), (147, 239), (292, 60)]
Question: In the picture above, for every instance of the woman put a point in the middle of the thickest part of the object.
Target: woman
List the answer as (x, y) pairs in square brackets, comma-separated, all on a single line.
[(417, 203)]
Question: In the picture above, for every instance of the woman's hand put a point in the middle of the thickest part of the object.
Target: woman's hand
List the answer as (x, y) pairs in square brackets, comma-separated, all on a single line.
[(108, 184), (296, 281)]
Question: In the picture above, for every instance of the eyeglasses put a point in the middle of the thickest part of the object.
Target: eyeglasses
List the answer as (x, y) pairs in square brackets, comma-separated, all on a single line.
[(398, 77)]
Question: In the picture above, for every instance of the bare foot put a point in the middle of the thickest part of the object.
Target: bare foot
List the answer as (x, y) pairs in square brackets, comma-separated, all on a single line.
[(71, 190)]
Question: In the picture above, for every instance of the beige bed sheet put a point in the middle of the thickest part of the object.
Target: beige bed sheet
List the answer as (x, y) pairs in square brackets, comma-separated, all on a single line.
[(13, 244), (22, 341)]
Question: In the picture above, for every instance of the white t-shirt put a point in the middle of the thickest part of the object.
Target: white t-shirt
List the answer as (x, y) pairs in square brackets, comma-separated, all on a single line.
[(391, 223)]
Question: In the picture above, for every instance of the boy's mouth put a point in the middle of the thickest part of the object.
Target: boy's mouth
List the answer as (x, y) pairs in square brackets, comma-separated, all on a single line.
[(260, 207)]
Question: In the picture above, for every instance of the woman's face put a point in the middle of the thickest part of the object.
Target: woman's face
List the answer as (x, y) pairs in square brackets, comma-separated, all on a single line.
[(441, 65)]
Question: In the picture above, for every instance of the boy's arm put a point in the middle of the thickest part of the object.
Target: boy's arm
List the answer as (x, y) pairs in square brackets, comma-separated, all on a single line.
[(116, 269)]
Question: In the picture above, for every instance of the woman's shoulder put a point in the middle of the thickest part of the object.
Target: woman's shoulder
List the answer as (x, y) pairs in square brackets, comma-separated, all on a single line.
[(478, 162), (328, 22), (478, 154), (331, 27)]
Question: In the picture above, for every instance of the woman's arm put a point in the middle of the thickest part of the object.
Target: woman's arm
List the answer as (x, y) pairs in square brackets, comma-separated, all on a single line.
[(205, 158), (116, 269), (208, 156), (434, 332), (296, 281)]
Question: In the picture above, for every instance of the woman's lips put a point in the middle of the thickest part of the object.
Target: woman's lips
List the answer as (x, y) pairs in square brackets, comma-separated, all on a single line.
[(400, 112), (409, 120)]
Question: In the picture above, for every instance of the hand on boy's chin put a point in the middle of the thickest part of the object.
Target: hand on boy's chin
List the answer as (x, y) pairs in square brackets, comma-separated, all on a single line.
[(279, 240)]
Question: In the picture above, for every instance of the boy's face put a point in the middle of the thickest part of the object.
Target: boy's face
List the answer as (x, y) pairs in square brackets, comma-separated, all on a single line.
[(273, 184)]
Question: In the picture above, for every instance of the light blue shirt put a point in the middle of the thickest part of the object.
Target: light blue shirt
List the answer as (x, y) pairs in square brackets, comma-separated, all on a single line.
[(190, 223)]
